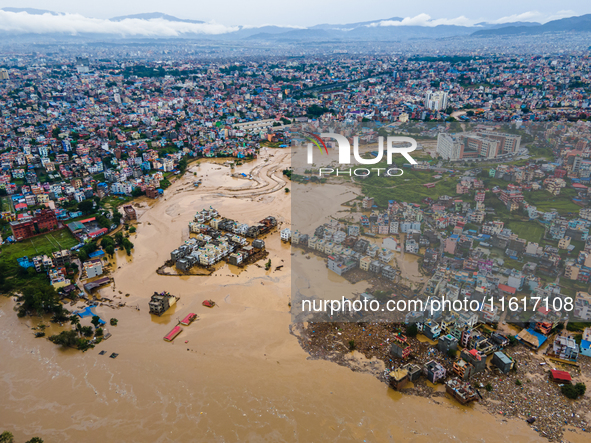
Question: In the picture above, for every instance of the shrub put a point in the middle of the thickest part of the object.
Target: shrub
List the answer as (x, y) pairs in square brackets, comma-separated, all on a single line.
[(574, 391), (352, 345), (412, 330), (488, 387)]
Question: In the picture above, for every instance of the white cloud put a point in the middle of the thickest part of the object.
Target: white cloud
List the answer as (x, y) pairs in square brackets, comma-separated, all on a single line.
[(425, 20), (559, 15), (22, 23), (533, 16)]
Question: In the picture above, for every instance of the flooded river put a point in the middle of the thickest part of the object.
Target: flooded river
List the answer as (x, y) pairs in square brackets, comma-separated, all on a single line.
[(236, 374)]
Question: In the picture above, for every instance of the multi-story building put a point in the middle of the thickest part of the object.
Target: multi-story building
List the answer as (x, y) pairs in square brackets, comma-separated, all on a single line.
[(43, 221)]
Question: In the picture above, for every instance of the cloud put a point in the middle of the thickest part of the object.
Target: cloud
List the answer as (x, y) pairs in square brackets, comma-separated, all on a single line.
[(533, 16), (425, 20), (73, 24)]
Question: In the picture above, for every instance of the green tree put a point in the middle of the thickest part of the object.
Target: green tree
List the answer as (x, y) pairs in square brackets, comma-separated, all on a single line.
[(39, 298), (65, 338), (86, 206), (35, 440), (137, 192), (6, 437), (110, 250), (96, 321), (411, 330)]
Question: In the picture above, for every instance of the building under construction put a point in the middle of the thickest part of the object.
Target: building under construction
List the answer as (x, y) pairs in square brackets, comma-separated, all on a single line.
[(130, 213), (461, 391)]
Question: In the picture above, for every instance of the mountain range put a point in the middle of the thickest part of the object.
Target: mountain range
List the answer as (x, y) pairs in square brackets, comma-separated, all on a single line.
[(390, 29)]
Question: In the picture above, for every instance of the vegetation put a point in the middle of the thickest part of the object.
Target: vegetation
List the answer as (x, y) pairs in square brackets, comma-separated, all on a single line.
[(488, 387), (352, 345), (407, 187), (545, 201), (109, 243), (529, 230), (72, 340), (452, 353), (95, 321), (113, 322), (411, 330), (574, 391)]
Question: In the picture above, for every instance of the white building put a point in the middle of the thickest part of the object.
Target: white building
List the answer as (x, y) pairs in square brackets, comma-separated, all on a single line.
[(285, 234), (436, 101), (93, 268)]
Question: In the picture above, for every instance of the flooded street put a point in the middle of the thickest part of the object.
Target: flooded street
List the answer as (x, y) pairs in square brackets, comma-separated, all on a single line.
[(235, 374)]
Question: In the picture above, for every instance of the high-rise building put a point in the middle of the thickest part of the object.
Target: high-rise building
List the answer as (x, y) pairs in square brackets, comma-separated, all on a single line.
[(436, 101), (3, 74)]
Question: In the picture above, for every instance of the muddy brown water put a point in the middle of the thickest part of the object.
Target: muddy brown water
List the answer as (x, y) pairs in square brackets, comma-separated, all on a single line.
[(236, 374)]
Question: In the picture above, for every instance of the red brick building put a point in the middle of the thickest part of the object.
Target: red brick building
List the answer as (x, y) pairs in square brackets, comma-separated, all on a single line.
[(151, 192), (28, 227)]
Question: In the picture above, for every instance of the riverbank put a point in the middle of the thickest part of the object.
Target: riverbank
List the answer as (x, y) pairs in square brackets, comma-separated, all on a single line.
[(238, 374)]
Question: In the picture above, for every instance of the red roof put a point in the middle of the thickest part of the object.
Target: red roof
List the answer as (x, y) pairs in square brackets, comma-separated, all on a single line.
[(560, 375), (188, 319), (543, 310), (509, 289), (172, 334)]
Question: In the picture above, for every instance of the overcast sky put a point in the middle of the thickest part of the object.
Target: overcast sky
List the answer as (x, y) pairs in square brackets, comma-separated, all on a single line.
[(311, 12)]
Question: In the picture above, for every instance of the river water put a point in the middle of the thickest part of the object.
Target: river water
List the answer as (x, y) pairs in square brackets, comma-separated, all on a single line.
[(236, 374)]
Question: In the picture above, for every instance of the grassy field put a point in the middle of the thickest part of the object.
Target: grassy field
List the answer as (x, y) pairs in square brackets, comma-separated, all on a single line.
[(42, 244), (529, 230), (5, 204), (408, 187), (545, 201), (571, 287), (112, 202)]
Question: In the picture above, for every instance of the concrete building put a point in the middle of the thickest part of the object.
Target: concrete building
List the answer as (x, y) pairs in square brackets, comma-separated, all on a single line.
[(340, 264), (446, 343), (434, 371), (286, 234), (436, 101), (502, 361), (93, 268), (30, 226)]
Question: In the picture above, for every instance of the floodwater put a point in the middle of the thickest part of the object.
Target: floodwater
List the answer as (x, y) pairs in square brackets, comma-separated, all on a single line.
[(236, 374)]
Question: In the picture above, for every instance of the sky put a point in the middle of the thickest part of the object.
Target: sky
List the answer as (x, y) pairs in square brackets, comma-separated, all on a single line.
[(311, 12), (223, 16)]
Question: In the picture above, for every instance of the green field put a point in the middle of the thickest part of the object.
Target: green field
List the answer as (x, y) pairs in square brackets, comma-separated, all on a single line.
[(5, 204), (42, 244), (529, 230), (408, 187), (562, 203), (112, 202)]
